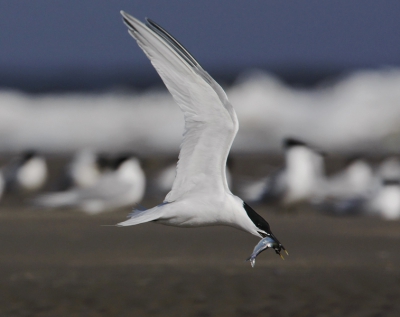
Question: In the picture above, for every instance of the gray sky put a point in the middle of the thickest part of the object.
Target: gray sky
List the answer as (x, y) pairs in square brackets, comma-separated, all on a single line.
[(48, 38)]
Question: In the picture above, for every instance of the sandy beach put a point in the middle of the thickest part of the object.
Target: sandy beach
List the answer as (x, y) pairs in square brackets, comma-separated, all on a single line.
[(67, 263)]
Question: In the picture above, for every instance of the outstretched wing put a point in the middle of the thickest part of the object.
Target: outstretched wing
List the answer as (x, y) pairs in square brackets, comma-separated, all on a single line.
[(210, 120)]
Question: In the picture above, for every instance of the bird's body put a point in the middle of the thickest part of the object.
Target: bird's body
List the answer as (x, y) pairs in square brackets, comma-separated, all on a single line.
[(122, 187), (386, 200), (83, 170), (200, 195), (298, 181), (26, 173), (304, 172), (200, 210), (355, 181)]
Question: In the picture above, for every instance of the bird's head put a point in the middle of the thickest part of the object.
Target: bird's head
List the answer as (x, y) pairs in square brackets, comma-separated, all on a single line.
[(269, 240)]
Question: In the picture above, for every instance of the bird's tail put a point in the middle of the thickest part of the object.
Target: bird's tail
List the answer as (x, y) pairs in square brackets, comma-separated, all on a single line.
[(142, 216)]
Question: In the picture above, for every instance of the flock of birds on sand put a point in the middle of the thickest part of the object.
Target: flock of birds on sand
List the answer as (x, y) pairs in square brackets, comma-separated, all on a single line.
[(94, 183), (89, 182), (358, 189), (200, 194)]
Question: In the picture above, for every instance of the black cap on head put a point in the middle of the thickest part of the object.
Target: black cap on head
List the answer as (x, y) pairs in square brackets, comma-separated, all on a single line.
[(291, 142), (103, 161), (354, 158), (121, 158), (28, 154), (391, 182)]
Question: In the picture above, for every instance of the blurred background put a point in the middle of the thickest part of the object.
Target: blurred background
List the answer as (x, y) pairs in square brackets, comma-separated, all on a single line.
[(77, 95), (71, 76)]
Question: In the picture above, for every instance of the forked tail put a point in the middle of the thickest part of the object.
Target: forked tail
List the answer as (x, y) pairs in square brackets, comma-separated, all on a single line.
[(142, 216)]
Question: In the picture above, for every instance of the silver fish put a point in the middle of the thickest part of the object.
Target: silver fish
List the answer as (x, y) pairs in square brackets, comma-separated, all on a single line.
[(264, 244)]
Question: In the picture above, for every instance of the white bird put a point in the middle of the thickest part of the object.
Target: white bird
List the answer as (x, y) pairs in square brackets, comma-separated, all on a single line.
[(389, 168), (355, 181), (296, 182), (200, 195), (165, 179), (26, 173), (83, 170), (304, 172), (386, 202), (348, 191), (122, 187)]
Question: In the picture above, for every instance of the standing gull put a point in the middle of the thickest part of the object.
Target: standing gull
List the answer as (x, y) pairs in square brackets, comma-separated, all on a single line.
[(200, 195)]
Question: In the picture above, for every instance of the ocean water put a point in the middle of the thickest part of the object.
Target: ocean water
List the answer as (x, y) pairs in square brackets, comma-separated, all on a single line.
[(359, 112)]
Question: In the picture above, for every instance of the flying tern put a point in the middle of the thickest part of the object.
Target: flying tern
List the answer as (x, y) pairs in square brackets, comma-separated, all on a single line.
[(166, 177), (200, 195)]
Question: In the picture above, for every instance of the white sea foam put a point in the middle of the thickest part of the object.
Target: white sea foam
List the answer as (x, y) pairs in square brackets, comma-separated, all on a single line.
[(359, 112)]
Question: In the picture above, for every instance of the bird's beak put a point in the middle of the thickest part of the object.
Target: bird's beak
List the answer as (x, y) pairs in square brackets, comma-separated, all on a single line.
[(269, 241), (278, 247)]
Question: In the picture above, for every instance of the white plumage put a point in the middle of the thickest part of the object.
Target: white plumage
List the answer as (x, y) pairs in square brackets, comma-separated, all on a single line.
[(386, 201), (200, 195), (357, 180), (298, 181), (165, 179), (26, 173), (114, 189), (84, 170)]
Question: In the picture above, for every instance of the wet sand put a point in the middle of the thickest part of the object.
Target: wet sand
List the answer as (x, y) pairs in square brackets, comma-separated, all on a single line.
[(65, 263)]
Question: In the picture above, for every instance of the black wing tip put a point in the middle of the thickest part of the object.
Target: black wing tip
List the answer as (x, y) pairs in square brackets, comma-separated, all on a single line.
[(173, 42), (128, 24), (125, 18), (165, 35), (151, 21)]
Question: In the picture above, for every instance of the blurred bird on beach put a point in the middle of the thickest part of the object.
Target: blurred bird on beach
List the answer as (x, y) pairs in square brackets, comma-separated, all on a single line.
[(122, 186), (25, 173), (298, 181)]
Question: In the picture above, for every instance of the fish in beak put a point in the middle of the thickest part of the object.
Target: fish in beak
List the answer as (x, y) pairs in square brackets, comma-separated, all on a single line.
[(268, 242)]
